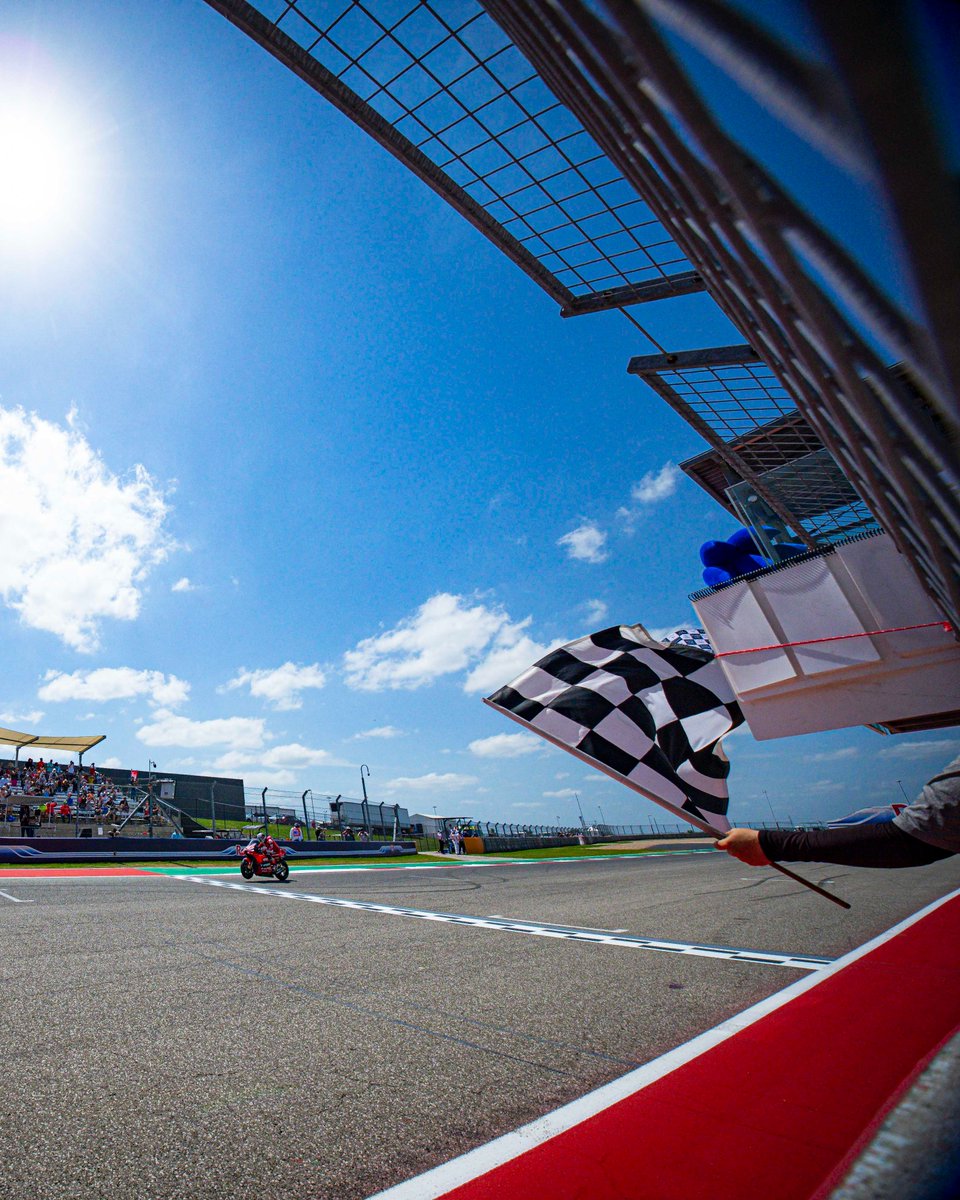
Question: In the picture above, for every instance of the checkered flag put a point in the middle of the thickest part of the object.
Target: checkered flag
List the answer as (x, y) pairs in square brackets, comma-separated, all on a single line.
[(695, 638), (649, 716)]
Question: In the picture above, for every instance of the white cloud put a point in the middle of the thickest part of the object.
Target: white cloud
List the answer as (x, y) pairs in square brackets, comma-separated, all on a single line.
[(12, 719), (656, 485), (944, 747), (114, 683), (252, 771), (169, 729), (596, 611), (295, 755), (281, 686), (444, 635), (432, 783), (831, 755), (183, 585), (79, 541), (379, 731), (585, 543), (513, 651), (506, 745), (652, 488), (114, 764), (561, 794), (278, 767)]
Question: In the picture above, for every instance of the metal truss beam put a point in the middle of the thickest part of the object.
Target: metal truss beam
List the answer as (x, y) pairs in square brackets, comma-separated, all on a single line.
[(546, 220), (283, 48), (897, 444)]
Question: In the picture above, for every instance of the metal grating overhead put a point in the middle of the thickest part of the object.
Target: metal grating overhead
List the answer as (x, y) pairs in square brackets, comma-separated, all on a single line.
[(441, 86), (825, 330), (568, 132), (759, 438)]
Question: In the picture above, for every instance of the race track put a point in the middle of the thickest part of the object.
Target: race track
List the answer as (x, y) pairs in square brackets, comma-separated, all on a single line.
[(167, 1036)]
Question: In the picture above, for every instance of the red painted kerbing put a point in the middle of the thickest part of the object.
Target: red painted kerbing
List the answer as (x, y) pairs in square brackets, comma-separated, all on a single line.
[(779, 1109), (66, 872)]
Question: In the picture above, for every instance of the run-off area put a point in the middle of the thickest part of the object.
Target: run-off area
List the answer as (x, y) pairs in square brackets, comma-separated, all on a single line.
[(180, 1039)]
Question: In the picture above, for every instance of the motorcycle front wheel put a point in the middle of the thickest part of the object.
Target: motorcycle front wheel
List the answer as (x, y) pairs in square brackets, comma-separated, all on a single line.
[(246, 869), (282, 870)]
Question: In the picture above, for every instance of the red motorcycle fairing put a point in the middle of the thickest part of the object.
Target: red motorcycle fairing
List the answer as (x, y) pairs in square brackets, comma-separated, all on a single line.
[(265, 858)]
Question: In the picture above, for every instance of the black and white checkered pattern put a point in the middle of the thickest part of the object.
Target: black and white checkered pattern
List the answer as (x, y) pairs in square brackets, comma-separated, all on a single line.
[(647, 715), (695, 638)]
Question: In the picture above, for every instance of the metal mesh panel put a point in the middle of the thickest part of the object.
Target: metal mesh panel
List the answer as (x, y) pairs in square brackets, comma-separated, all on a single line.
[(743, 410), (807, 308), (453, 88), (819, 496)]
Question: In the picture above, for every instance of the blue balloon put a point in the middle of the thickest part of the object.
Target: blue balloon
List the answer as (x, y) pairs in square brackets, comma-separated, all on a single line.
[(714, 576)]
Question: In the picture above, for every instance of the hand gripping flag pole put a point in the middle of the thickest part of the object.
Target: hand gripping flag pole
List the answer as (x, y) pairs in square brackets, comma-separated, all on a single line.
[(649, 716)]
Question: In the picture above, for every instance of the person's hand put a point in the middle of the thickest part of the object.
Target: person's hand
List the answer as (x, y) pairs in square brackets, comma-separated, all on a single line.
[(745, 845)]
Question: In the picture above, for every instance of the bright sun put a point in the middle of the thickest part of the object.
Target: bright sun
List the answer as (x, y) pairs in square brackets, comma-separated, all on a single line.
[(40, 177)]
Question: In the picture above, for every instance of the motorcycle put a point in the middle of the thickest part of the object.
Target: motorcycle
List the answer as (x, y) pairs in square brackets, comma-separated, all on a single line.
[(264, 857)]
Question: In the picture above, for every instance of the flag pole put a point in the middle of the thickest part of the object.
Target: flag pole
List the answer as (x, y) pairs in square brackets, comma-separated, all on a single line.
[(698, 822)]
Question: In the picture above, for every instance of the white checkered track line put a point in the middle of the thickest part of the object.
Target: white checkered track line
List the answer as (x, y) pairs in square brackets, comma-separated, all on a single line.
[(687, 949)]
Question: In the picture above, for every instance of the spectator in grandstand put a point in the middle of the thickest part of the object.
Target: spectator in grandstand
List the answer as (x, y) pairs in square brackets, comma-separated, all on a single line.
[(24, 819), (924, 832)]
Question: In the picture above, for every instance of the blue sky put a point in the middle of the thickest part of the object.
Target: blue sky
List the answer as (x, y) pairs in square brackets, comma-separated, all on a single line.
[(295, 467)]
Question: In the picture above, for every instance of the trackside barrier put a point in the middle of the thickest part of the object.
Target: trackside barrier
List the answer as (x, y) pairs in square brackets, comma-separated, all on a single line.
[(119, 849)]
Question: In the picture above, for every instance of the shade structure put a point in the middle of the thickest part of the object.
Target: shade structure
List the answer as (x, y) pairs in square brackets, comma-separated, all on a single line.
[(70, 745)]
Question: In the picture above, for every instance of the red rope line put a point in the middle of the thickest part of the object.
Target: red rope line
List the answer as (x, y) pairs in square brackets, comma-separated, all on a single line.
[(840, 637)]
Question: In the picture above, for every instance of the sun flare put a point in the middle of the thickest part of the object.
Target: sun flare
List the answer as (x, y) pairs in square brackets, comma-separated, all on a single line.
[(41, 177)]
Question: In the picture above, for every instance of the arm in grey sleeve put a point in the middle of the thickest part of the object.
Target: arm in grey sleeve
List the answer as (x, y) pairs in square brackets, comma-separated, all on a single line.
[(934, 817), (884, 845)]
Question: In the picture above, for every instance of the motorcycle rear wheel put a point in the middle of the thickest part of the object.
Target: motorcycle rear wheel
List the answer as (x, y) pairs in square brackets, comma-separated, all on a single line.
[(282, 870)]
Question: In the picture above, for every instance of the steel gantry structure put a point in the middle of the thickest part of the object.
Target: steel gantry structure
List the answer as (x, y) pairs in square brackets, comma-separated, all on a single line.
[(572, 135)]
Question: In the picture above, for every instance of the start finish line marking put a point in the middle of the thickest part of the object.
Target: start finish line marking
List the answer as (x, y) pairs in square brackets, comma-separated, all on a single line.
[(800, 962)]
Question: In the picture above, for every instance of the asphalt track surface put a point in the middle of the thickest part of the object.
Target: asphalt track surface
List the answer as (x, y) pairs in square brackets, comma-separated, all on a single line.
[(169, 1037)]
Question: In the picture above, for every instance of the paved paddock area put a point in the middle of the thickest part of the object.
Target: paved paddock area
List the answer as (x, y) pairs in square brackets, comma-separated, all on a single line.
[(165, 1035)]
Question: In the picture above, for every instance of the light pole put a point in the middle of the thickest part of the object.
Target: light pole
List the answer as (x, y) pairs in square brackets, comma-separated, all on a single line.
[(151, 804), (363, 784)]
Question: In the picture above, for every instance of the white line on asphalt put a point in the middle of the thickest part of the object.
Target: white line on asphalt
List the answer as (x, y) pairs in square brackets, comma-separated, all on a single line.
[(14, 900), (801, 962)]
